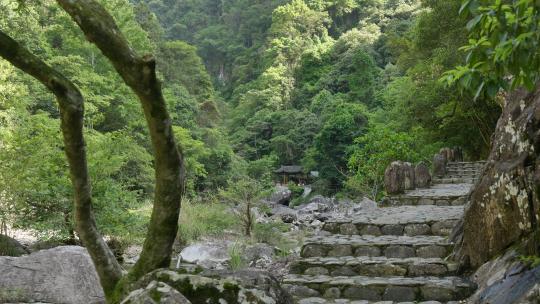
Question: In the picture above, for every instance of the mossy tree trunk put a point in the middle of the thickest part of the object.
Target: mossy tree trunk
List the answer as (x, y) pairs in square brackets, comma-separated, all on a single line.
[(71, 104), (139, 73)]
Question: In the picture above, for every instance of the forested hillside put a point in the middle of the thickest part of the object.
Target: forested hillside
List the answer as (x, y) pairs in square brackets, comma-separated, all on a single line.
[(339, 87)]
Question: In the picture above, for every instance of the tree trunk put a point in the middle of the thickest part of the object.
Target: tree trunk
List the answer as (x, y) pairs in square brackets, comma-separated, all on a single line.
[(140, 75), (71, 106)]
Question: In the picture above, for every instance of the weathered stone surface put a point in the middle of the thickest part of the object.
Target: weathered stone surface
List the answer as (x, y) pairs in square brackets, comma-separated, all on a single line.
[(399, 251), (392, 229), (506, 280), (156, 293), (373, 288), (208, 255), (59, 275), (399, 293), (370, 230), (340, 250), (422, 177), (379, 266), (417, 229), (439, 165), (370, 251), (432, 251), (393, 178), (348, 228), (408, 176), (316, 271), (504, 206), (213, 286)]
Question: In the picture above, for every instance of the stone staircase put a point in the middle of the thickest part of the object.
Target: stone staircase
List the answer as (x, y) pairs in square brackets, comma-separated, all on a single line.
[(460, 172), (393, 254)]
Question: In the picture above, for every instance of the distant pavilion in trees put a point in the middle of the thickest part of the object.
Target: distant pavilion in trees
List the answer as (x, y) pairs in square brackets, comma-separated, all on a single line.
[(291, 173)]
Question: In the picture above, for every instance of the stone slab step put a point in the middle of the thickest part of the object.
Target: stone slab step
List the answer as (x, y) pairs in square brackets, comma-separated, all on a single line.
[(316, 300), (446, 180), (397, 289), (438, 194), (374, 266), (390, 246), (401, 220)]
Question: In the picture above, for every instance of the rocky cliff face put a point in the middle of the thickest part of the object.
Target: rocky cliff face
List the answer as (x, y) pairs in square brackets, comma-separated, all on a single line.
[(504, 209)]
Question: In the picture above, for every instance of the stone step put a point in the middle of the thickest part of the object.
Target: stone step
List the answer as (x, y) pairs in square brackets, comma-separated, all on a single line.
[(379, 288), (374, 266), (438, 194), (390, 246), (317, 300), (401, 220), (460, 180)]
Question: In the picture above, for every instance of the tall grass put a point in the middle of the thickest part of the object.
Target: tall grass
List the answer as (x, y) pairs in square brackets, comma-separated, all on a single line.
[(198, 220)]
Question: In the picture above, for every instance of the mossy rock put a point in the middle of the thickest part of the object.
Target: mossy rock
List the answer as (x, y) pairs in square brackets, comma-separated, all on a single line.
[(217, 287), (11, 247)]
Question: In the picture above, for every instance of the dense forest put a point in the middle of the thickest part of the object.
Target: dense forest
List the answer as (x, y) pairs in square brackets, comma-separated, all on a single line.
[(339, 87), (155, 142)]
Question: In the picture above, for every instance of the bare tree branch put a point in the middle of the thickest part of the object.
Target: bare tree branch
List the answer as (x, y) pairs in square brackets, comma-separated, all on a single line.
[(139, 73), (71, 105)]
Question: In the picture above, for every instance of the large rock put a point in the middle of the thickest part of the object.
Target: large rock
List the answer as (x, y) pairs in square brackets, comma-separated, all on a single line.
[(282, 195), (393, 178), (408, 176), (439, 165), (11, 247), (156, 293), (422, 177), (59, 275), (504, 206), (208, 255), (506, 280), (215, 287)]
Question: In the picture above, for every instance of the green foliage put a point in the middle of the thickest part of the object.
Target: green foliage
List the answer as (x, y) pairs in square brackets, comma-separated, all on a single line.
[(236, 256), (501, 51), (244, 195), (375, 150), (204, 219)]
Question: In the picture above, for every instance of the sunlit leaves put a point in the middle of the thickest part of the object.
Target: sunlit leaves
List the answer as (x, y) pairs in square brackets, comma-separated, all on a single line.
[(502, 52)]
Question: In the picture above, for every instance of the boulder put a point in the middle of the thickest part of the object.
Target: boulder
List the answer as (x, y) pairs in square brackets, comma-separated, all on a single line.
[(408, 176), (11, 247), (215, 287), (504, 206), (506, 280), (393, 178), (258, 255), (59, 275), (156, 293), (439, 165), (282, 195), (208, 255), (422, 177)]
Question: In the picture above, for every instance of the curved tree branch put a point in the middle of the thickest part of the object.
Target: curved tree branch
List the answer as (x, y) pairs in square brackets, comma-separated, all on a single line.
[(139, 73), (71, 105)]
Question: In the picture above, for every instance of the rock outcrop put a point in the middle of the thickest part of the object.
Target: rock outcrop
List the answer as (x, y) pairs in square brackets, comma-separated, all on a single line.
[(59, 275), (393, 178), (504, 207), (422, 176), (506, 280), (209, 287)]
